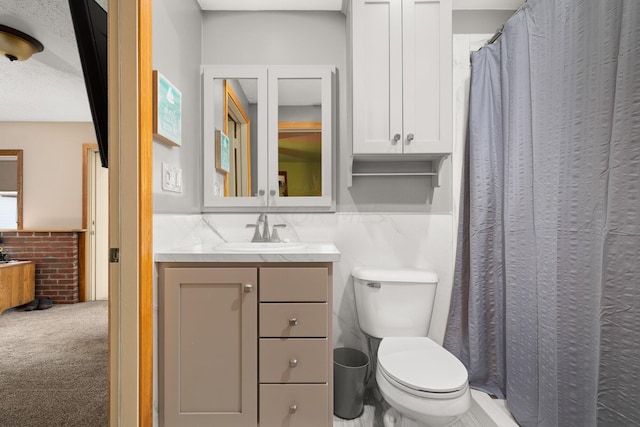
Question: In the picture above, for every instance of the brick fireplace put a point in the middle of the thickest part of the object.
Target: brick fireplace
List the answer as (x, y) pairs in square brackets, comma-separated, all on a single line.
[(56, 255)]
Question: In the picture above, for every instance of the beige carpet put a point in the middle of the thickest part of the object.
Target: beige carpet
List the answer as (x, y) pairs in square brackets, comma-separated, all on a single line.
[(54, 366)]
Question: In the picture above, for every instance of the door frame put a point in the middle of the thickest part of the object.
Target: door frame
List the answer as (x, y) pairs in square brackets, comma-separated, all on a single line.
[(130, 213)]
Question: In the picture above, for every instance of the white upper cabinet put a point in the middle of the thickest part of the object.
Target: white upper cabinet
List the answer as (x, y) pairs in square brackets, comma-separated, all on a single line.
[(268, 138), (402, 65)]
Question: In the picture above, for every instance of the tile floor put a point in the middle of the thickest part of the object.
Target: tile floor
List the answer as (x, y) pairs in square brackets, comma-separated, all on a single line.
[(374, 410)]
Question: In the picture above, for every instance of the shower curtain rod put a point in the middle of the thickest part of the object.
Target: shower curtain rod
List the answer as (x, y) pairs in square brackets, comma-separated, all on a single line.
[(497, 35)]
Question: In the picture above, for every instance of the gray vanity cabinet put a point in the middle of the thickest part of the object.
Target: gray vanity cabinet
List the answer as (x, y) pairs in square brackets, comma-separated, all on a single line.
[(245, 344)]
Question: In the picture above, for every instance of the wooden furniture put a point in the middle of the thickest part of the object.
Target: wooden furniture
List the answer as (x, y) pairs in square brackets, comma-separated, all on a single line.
[(213, 319), (17, 284)]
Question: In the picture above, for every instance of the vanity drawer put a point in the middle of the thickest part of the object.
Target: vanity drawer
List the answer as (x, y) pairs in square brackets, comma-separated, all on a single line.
[(300, 360), (294, 405), (303, 284), (293, 320)]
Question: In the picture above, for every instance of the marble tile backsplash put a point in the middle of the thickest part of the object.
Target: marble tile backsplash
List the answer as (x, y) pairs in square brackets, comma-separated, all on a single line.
[(364, 239)]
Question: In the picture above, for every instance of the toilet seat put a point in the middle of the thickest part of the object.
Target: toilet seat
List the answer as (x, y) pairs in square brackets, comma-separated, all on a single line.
[(421, 367)]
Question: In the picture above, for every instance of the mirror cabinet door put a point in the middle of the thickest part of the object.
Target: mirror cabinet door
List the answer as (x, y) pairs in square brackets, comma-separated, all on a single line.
[(235, 123), (300, 137), (10, 190)]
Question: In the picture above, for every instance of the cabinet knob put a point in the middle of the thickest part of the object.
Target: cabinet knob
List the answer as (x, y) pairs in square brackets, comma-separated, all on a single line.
[(293, 321), (293, 363), (293, 409), (260, 192), (409, 138), (396, 138), (272, 192), (248, 288)]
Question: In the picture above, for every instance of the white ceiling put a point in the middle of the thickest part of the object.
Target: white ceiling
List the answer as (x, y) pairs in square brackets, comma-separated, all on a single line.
[(49, 86)]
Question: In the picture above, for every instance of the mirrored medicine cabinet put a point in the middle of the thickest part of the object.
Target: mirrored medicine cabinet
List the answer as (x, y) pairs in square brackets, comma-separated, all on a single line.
[(268, 138)]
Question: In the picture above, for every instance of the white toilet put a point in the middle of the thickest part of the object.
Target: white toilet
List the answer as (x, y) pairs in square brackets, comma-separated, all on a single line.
[(424, 384)]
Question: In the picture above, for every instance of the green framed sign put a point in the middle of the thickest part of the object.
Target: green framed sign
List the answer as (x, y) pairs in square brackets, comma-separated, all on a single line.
[(167, 111)]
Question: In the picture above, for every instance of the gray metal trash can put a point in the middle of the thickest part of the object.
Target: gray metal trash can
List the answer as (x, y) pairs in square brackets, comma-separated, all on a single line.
[(350, 374)]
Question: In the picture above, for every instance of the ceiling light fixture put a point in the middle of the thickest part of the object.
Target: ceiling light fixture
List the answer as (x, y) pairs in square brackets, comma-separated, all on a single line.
[(17, 45)]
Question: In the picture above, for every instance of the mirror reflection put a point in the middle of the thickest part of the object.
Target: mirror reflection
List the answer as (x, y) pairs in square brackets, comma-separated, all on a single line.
[(236, 102), (299, 137), (10, 189)]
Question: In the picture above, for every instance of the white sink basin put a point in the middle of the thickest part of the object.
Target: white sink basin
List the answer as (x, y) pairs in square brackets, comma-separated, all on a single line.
[(261, 247)]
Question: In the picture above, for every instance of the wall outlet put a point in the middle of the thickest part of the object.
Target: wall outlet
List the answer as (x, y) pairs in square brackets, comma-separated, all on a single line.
[(171, 178)]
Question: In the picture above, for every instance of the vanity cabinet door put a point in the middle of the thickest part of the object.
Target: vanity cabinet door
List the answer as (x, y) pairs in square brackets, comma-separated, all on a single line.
[(402, 65), (208, 347)]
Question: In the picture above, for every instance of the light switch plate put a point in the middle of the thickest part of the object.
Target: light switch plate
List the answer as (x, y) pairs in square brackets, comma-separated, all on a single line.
[(171, 178)]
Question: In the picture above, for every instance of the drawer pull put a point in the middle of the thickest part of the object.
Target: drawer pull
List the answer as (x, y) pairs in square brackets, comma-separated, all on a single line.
[(293, 363), (293, 409), (293, 321), (248, 288)]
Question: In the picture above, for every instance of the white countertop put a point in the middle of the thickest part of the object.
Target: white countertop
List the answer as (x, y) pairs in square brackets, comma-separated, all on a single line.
[(223, 252)]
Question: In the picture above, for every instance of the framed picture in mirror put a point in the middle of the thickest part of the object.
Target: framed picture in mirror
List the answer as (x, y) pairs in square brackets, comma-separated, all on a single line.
[(222, 152)]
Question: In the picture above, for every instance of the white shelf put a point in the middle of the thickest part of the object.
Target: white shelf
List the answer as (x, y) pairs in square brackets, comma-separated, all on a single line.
[(397, 165)]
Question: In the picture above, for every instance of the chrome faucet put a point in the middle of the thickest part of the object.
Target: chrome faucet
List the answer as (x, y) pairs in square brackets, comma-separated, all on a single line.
[(265, 236)]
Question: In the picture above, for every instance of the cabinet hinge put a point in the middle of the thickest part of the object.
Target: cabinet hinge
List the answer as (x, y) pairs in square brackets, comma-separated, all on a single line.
[(114, 255)]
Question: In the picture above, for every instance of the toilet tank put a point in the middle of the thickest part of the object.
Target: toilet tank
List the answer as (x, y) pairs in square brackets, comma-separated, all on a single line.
[(394, 302)]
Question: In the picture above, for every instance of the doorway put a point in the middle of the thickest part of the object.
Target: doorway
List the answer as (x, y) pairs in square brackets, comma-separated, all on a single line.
[(96, 222)]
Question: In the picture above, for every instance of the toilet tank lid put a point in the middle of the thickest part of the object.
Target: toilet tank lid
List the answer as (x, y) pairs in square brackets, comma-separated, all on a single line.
[(404, 275)]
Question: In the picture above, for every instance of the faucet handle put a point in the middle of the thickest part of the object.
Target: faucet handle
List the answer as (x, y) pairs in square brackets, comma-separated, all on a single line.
[(274, 235)]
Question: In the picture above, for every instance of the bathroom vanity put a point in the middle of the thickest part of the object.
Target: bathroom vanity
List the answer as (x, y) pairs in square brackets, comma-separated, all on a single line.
[(245, 336)]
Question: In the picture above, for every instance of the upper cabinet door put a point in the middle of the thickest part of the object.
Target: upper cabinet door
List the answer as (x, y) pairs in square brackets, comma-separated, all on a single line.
[(235, 136), (377, 76), (401, 76), (427, 76), (301, 134)]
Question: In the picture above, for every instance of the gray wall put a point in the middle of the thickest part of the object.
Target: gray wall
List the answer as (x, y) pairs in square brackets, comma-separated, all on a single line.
[(185, 38), (177, 41)]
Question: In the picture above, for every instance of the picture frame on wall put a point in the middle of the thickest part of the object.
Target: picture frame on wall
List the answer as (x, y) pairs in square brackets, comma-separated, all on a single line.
[(167, 111), (222, 152)]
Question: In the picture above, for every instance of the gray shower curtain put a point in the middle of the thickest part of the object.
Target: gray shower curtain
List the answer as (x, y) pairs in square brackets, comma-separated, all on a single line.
[(545, 308)]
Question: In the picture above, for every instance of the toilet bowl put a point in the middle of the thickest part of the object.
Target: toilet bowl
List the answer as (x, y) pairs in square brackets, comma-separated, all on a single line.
[(424, 384), (422, 381)]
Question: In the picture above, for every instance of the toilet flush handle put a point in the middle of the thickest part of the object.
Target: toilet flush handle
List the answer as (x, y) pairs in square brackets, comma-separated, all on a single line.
[(375, 285)]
